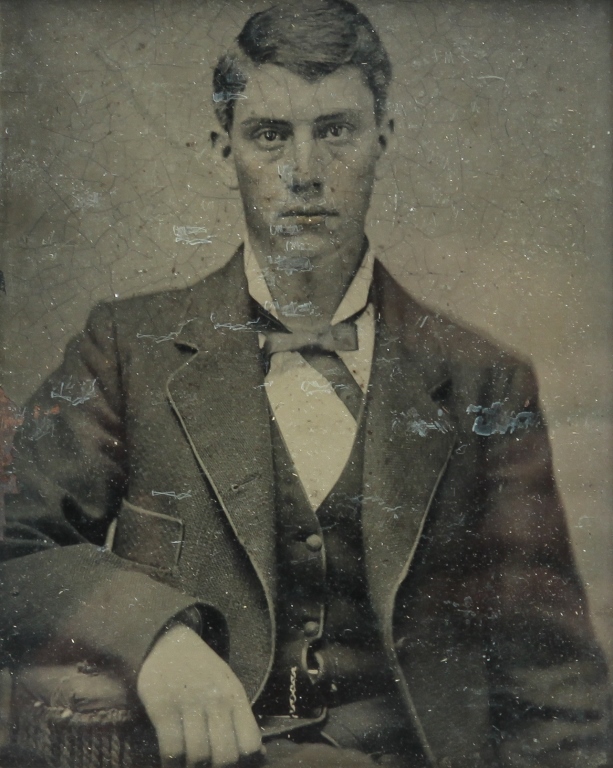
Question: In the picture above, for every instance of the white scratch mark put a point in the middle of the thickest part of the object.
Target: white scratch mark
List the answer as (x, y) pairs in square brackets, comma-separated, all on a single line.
[(293, 309), (285, 229), (291, 264), (248, 326), (191, 235), (220, 96), (169, 337), (418, 426), (312, 387), (86, 200), (173, 495), (86, 390)]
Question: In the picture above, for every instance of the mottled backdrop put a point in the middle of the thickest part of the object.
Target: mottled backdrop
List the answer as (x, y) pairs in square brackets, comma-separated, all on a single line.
[(496, 208)]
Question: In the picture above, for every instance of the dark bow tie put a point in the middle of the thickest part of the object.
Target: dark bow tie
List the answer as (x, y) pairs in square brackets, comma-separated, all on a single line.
[(342, 337), (319, 349)]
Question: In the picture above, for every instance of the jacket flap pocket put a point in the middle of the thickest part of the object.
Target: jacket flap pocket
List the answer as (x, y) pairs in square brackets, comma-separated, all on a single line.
[(146, 537)]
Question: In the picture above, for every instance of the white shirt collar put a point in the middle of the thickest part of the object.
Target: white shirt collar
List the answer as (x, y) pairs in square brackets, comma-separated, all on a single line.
[(354, 300)]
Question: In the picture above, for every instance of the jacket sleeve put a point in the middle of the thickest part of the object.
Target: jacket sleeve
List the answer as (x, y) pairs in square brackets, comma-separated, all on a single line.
[(549, 701), (62, 594)]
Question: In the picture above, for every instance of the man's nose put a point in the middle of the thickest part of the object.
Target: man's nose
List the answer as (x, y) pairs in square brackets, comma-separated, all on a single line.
[(306, 176)]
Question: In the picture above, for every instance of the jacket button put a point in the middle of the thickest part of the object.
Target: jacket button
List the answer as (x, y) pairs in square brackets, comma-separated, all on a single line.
[(311, 628), (314, 542)]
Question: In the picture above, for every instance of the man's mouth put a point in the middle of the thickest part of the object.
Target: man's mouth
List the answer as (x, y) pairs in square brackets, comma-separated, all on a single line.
[(306, 215)]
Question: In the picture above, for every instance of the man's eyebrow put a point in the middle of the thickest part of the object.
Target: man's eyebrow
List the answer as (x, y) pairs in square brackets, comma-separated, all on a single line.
[(272, 122), (346, 114), (265, 122)]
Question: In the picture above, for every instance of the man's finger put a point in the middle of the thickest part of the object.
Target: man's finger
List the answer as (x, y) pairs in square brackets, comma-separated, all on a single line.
[(248, 736), (197, 743), (171, 744), (224, 747)]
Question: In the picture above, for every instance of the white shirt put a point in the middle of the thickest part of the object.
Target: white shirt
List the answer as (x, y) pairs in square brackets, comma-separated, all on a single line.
[(316, 427)]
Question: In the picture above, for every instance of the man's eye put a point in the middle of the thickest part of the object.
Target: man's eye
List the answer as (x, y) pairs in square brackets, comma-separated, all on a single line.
[(270, 137), (336, 131)]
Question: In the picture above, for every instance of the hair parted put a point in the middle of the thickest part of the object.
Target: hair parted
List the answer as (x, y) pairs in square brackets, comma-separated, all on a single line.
[(310, 38)]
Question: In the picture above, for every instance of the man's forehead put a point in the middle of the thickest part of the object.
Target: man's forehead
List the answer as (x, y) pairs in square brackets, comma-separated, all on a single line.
[(273, 92)]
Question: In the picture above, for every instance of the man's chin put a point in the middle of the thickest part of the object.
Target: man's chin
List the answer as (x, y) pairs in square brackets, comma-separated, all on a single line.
[(312, 241)]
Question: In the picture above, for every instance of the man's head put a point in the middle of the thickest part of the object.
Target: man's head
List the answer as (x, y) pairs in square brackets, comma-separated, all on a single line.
[(310, 38), (302, 101)]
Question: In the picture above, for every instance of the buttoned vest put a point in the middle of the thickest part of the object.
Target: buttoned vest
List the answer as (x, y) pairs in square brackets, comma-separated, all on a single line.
[(328, 646)]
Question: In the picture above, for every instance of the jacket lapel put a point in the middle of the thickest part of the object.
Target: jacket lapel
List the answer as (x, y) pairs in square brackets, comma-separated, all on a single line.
[(219, 398), (409, 442)]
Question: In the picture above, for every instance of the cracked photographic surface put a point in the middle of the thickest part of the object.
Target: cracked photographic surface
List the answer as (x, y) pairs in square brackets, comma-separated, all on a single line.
[(305, 397)]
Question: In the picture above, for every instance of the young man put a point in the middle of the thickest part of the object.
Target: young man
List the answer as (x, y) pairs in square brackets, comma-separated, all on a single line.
[(330, 523)]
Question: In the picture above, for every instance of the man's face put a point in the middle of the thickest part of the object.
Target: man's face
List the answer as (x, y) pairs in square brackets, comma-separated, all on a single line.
[(305, 156)]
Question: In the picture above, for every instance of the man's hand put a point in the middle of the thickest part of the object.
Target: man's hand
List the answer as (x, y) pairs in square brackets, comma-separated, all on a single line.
[(198, 707)]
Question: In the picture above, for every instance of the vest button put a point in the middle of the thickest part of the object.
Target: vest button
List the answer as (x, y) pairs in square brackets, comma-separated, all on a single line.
[(314, 542), (311, 628)]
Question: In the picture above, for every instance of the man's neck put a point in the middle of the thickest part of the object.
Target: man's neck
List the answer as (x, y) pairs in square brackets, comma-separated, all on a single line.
[(308, 287)]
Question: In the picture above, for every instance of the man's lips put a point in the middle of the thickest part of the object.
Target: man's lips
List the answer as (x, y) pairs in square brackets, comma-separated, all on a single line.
[(308, 213)]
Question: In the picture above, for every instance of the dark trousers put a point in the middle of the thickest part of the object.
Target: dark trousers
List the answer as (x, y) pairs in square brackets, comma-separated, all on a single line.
[(365, 733), (288, 754)]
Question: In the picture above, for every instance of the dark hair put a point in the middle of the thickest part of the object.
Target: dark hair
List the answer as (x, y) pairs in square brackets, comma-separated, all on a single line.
[(311, 38)]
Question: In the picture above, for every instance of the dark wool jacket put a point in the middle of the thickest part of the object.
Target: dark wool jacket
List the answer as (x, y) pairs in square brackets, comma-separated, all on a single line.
[(158, 419)]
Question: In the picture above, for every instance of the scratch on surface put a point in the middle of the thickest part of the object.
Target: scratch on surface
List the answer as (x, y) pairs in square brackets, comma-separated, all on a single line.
[(418, 426), (285, 229), (85, 200), (490, 77), (43, 427), (389, 360), (495, 421), (296, 245), (312, 387), (43, 422), (73, 393), (173, 494), (393, 510), (191, 235), (169, 337), (293, 309), (248, 326), (352, 504), (220, 96), (291, 264), (286, 173)]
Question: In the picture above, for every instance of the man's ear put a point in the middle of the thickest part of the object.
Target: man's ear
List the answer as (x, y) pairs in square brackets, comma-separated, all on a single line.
[(386, 146), (222, 151)]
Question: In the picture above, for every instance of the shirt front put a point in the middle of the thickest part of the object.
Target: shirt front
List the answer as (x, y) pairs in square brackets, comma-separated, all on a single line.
[(316, 427)]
